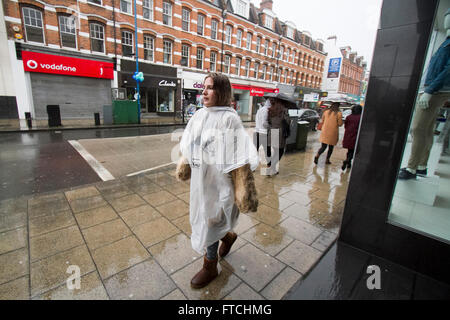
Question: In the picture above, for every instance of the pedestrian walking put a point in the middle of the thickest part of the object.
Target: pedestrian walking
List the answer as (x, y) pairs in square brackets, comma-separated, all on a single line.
[(279, 124), (219, 157), (262, 127), (331, 121), (351, 125)]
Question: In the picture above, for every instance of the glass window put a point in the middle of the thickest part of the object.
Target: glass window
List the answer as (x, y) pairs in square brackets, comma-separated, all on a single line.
[(127, 43), (268, 22), (33, 25), (281, 52), (249, 41), (167, 51), (256, 70), (290, 32), (266, 47), (421, 198), (214, 24), (228, 32), (149, 45), (186, 19), (271, 73), (185, 55), (239, 38), (67, 29), (258, 44), (166, 100), (274, 49), (200, 53), (247, 67), (148, 9), (263, 73), (95, 1), (200, 24), (167, 13), (125, 6), (212, 61), (238, 66), (241, 8), (288, 54), (227, 64), (97, 34)]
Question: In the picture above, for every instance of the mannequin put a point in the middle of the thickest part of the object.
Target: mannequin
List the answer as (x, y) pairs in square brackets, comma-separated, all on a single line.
[(436, 93)]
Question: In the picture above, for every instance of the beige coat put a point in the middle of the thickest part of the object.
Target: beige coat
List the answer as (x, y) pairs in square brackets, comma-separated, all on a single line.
[(330, 128)]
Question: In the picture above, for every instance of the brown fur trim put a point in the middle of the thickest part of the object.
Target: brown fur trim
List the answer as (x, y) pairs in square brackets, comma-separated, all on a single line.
[(244, 189), (183, 171)]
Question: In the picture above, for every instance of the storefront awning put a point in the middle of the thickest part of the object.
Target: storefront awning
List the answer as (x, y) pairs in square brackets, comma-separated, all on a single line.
[(255, 91)]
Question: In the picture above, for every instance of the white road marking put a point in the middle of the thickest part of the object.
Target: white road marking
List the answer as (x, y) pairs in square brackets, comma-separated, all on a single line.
[(151, 169), (101, 171)]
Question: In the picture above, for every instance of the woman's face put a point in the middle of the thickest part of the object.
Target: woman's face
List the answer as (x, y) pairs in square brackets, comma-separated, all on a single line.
[(209, 94)]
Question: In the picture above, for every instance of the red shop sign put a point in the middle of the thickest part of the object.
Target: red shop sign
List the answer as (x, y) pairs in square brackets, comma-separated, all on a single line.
[(255, 91), (48, 63)]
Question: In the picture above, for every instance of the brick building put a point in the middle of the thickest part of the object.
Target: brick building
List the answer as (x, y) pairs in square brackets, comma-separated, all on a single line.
[(51, 42)]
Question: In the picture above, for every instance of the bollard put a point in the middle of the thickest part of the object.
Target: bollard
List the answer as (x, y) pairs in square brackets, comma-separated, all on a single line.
[(28, 118), (97, 118)]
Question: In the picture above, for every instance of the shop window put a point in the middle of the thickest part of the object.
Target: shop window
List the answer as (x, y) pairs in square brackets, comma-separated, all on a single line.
[(213, 61), (421, 198), (167, 13), (239, 38), (97, 35), (125, 6), (127, 43), (200, 24), (228, 33), (34, 30), (214, 27), (200, 54), (148, 9), (238, 66), (185, 55), (227, 64), (167, 50), (249, 41), (166, 99), (149, 48), (67, 31), (186, 19)]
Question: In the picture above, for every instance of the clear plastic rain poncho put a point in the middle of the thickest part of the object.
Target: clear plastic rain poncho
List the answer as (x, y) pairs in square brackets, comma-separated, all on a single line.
[(215, 143)]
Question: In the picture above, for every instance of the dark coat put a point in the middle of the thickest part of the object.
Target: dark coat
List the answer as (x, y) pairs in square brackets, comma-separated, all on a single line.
[(351, 131)]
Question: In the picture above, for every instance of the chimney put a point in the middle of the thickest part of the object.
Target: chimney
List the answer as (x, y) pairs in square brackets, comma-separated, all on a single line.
[(266, 4), (331, 38)]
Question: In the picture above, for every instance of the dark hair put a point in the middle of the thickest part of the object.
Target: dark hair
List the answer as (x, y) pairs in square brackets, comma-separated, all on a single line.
[(357, 109), (335, 107), (222, 88)]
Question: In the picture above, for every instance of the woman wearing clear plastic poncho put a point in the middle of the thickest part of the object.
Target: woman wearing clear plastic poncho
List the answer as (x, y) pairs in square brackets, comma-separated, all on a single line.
[(219, 157)]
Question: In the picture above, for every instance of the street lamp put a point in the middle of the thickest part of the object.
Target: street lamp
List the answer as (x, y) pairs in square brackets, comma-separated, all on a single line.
[(224, 15)]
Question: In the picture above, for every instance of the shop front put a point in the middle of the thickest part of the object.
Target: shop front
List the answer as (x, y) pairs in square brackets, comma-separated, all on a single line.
[(192, 90), (247, 99), (160, 92), (307, 97), (77, 87)]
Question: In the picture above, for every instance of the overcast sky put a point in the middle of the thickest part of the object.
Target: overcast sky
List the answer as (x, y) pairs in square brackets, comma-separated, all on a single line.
[(354, 22)]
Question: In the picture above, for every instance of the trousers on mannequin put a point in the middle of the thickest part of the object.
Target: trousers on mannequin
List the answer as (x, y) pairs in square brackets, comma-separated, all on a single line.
[(422, 130)]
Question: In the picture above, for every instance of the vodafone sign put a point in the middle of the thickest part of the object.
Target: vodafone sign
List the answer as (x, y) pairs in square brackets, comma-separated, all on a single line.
[(48, 63)]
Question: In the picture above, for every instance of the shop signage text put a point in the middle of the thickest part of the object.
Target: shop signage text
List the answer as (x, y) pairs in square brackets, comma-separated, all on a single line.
[(48, 63), (198, 85), (165, 83), (255, 91)]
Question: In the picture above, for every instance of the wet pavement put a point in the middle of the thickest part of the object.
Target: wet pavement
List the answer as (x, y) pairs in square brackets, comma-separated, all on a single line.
[(129, 237)]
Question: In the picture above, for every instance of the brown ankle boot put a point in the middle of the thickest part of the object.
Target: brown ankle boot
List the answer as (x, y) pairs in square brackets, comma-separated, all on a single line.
[(207, 274), (227, 242)]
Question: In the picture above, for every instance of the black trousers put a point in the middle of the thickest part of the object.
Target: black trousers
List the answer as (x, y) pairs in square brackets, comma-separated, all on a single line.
[(350, 153), (323, 147)]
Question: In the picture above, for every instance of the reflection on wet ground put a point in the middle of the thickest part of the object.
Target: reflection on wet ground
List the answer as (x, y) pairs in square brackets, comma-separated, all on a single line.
[(130, 237)]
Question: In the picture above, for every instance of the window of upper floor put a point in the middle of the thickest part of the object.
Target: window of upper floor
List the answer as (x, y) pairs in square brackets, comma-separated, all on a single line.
[(200, 24), (95, 1), (127, 43), (185, 19), (67, 31), (149, 48), (239, 38), (268, 22), (147, 9), (214, 28), (126, 6), (213, 61), (167, 51), (258, 44), (241, 7), (228, 33), (290, 32), (249, 41), (185, 49), (97, 37), (167, 13), (34, 26), (200, 55)]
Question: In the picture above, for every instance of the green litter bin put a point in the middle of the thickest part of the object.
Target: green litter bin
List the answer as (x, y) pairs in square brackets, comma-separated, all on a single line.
[(125, 111), (302, 134)]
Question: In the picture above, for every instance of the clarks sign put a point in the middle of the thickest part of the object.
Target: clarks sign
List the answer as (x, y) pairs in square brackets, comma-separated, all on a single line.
[(165, 83), (48, 63)]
